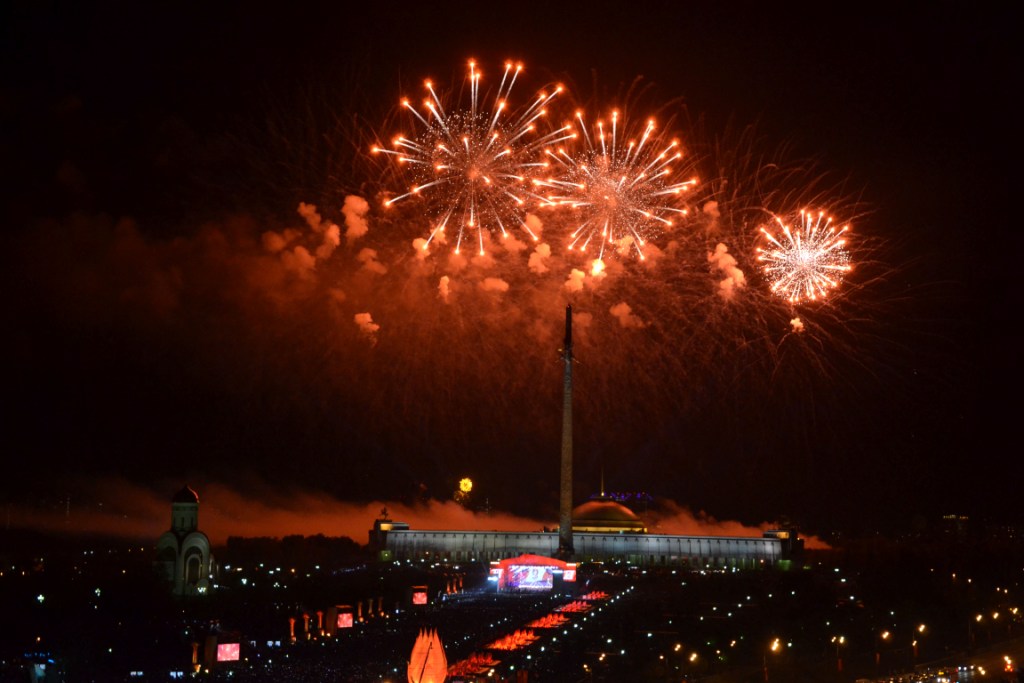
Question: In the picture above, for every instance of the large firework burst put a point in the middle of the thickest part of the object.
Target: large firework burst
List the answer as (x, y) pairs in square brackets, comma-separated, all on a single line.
[(620, 182), (808, 261), (474, 163)]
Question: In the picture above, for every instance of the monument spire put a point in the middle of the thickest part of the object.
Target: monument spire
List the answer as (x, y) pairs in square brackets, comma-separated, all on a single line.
[(565, 549)]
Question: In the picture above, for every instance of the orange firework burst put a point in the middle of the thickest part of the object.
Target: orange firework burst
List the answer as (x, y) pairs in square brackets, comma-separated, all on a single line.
[(808, 261), (620, 181), (475, 163)]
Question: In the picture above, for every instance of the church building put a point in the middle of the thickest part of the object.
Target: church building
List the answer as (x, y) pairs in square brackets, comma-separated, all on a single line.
[(183, 554)]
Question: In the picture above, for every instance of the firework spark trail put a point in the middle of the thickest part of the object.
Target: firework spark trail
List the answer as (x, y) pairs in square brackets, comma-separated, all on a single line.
[(475, 163), (622, 190), (809, 261), (472, 348)]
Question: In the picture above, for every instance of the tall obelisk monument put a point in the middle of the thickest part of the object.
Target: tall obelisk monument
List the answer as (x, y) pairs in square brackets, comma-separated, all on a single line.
[(565, 549)]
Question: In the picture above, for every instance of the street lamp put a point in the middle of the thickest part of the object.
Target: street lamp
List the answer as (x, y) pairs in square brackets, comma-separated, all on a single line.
[(970, 630), (921, 628), (839, 641), (774, 647), (882, 638)]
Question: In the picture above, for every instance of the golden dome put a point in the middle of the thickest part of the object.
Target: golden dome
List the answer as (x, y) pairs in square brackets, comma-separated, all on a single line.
[(603, 515)]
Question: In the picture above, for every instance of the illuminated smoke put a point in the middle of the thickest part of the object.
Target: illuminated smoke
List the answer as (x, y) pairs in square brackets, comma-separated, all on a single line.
[(457, 262), (798, 325), (537, 258), (723, 260), (368, 257), (329, 232), (575, 281), (355, 210), (311, 216), (299, 261), (443, 288), (652, 253), (669, 517), (366, 325), (332, 238), (711, 210), (494, 284), (513, 245), (624, 314), (275, 242), (123, 509), (581, 320)]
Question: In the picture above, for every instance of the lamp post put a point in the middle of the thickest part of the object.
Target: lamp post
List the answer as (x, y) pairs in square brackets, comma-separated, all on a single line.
[(883, 637), (839, 642), (774, 647), (919, 631), (970, 631)]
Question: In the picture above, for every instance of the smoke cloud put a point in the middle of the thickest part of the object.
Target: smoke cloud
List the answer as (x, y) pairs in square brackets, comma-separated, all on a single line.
[(299, 261), (355, 209), (421, 246), (671, 518), (513, 245), (624, 314), (364, 321), (535, 225), (331, 233), (494, 284), (310, 214), (443, 288), (574, 283), (798, 325), (734, 278), (710, 210), (275, 242), (368, 257), (537, 258), (122, 509), (332, 238)]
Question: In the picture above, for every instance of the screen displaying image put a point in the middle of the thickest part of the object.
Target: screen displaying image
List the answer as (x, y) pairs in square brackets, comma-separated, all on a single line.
[(419, 598), (227, 652), (529, 577), (344, 620)]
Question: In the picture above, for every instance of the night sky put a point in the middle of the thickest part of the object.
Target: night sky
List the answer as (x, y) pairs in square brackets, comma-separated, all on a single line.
[(164, 327)]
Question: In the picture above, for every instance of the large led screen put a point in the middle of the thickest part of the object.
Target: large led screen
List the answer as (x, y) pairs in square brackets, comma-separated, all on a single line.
[(419, 597), (227, 652), (344, 620), (529, 577)]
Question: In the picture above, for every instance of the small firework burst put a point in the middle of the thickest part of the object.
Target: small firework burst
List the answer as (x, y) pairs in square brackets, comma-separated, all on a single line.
[(474, 163), (808, 261), (620, 181)]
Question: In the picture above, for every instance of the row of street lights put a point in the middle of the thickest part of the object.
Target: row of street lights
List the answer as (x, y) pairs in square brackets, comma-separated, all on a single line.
[(981, 618), (884, 637)]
